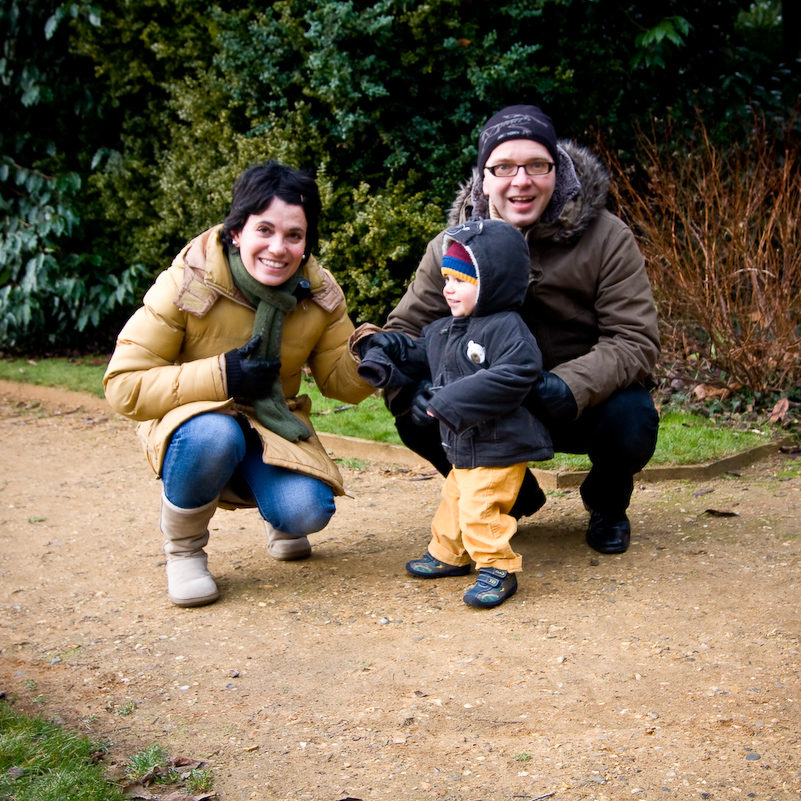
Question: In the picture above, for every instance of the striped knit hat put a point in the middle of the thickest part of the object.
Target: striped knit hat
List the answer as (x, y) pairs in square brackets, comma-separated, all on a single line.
[(457, 262)]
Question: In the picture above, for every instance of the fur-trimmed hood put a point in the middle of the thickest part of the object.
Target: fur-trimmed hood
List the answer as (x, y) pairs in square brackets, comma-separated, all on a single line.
[(582, 186)]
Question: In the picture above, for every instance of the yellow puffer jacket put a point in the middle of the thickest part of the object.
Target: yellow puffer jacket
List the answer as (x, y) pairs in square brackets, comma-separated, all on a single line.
[(168, 364)]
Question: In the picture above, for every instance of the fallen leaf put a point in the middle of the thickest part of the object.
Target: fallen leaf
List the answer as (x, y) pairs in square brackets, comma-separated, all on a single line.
[(181, 761), (136, 790), (780, 410), (720, 513), (704, 391)]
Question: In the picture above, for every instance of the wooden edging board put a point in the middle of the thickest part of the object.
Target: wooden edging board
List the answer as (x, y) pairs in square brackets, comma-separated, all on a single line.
[(355, 448)]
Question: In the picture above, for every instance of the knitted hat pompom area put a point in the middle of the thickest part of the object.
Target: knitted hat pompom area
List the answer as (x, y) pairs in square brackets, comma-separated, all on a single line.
[(457, 262)]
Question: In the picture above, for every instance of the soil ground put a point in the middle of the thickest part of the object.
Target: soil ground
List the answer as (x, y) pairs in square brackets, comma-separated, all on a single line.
[(671, 671)]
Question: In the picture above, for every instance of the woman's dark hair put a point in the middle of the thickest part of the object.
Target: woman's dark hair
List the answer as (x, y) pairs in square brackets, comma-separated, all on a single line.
[(257, 187)]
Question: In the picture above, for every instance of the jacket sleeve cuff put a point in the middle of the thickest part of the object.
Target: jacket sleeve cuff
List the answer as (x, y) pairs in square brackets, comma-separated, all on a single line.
[(232, 372), (362, 332)]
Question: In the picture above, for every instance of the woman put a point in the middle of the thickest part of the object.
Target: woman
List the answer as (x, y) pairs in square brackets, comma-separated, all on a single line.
[(210, 366)]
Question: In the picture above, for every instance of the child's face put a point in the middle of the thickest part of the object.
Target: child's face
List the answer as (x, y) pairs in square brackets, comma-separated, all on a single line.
[(461, 296)]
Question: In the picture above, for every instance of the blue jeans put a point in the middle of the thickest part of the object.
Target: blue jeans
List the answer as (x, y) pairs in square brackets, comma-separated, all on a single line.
[(209, 450), (619, 435)]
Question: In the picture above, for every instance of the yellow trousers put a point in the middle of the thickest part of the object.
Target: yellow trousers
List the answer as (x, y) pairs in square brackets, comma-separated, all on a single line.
[(473, 520)]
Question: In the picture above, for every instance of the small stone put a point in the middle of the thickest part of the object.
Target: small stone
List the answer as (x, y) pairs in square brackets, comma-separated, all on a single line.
[(234, 674), (753, 757)]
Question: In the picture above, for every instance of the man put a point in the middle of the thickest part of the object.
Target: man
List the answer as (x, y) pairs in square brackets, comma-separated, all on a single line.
[(589, 305)]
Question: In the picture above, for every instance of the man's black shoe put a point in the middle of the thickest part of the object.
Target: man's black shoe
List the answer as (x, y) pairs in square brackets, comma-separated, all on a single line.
[(608, 534), (530, 499)]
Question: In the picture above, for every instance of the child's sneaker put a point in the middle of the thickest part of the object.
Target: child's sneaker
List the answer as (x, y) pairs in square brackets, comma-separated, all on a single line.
[(493, 587), (428, 567)]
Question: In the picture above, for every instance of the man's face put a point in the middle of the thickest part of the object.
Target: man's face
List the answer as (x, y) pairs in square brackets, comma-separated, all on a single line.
[(521, 199)]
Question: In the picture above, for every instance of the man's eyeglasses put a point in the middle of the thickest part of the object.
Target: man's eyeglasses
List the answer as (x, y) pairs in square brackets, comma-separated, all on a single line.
[(531, 168)]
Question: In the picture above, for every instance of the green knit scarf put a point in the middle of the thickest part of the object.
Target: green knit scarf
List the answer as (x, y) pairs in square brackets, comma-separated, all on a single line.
[(271, 303)]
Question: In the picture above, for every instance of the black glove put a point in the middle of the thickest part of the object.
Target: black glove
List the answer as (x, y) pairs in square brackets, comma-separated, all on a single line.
[(249, 379), (422, 397), (551, 400), (378, 369), (395, 344)]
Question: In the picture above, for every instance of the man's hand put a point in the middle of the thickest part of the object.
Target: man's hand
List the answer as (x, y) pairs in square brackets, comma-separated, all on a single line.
[(551, 400), (395, 344)]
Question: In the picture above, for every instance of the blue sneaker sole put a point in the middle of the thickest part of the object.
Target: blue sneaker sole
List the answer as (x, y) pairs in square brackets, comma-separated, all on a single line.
[(427, 571)]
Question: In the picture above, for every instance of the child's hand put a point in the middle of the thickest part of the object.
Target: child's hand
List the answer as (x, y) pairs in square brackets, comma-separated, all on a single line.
[(419, 409)]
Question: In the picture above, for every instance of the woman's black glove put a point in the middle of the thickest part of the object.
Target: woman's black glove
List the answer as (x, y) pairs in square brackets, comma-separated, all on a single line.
[(395, 344), (420, 400), (249, 379), (551, 400)]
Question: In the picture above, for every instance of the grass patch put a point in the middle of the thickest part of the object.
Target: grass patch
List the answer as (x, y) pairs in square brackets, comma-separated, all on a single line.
[(369, 420), (78, 375), (154, 765), (41, 762), (684, 438)]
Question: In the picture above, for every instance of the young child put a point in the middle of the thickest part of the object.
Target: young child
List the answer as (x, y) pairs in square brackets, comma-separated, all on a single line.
[(482, 362)]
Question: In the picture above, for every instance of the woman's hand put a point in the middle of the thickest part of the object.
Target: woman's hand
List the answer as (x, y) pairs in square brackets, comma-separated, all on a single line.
[(249, 379)]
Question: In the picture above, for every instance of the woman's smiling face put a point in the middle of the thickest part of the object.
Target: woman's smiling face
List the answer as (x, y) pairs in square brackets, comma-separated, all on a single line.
[(272, 243)]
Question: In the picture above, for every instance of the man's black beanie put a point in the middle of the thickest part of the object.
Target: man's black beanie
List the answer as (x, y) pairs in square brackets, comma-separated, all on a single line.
[(516, 122)]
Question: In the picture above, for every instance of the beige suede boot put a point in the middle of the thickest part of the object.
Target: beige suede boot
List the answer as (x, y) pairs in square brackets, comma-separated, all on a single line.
[(284, 546), (186, 533)]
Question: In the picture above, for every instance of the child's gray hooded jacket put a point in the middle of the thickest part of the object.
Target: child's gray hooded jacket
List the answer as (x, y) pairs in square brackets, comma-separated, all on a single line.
[(483, 366)]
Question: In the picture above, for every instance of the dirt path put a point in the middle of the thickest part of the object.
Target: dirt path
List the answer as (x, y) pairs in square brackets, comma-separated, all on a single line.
[(669, 672)]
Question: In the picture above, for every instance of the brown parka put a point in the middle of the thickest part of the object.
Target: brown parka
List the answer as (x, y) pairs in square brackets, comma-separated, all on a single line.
[(589, 302), (169, 363)]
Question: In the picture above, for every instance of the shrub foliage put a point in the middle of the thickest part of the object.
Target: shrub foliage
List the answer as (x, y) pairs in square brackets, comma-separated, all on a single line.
[(125, 123)]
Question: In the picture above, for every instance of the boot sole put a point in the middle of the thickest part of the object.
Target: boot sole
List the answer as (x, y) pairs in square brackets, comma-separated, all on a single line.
[(289, 556), (188, 603)]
